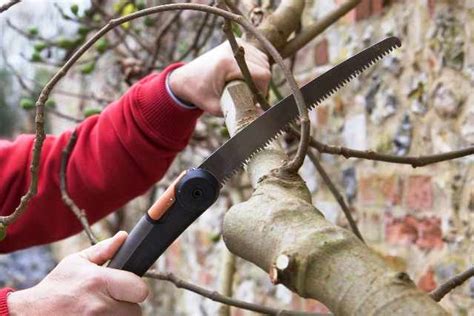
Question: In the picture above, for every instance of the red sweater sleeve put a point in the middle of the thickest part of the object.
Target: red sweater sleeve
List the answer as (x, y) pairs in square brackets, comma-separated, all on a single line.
[(119, 154)]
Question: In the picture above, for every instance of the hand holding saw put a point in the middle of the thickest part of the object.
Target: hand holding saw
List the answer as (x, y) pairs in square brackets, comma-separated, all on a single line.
[(196, 189)]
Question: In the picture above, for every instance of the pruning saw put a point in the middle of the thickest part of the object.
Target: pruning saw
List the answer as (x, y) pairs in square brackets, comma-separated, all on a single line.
[(196, 189)]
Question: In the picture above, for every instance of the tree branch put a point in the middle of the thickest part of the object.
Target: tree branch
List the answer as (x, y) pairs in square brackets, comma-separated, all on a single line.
[(239, 55), (419, 161), (452, 283), (80, 214), (336, 194), (313, 30), (217, 297), (8, 5)]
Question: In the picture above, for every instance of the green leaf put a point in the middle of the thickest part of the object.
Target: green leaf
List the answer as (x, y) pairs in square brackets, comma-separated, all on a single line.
[(74, 8), (50, 103), (27, 104), (66, 43), (88, 68), (83, 31), (141, 5), (91, 111), (3, 232), (40, 46), (236, 29), (148, 22), (101, 45), (36, 57), (33, 31)]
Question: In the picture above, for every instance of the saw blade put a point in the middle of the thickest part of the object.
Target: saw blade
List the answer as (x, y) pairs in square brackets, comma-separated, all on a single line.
[(238, 150)]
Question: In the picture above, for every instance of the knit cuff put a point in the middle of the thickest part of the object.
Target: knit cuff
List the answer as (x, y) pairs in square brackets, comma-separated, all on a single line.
[(161, 115), (3, 301)]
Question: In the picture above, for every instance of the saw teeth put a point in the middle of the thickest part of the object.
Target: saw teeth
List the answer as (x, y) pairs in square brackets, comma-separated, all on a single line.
[(355, 73)]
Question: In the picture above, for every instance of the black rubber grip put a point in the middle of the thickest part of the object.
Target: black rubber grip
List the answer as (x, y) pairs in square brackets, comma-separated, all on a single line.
[(197, 190)]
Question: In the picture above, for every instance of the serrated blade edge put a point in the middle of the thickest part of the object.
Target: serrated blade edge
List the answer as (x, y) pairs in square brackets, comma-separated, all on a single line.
[(238, 150)]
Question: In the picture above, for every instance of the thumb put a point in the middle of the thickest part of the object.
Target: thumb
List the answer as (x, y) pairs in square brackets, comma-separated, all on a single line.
[(104, 250)]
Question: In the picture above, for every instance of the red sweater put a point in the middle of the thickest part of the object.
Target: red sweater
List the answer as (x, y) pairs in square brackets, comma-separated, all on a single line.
[(119, 154)]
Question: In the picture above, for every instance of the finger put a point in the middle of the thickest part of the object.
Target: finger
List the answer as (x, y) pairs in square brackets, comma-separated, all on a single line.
[(261, 76), (125, 286), (104, 250)]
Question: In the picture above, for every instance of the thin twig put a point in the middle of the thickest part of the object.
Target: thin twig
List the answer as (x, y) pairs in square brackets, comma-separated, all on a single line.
[(239, 55), (112, 24), (217, 297), (8, 5), (80, 213), (313, 30), (452, 283), (337, 195), (419, 161)]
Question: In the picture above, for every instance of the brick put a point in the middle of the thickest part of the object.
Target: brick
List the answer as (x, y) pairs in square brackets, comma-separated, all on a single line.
[(430, 235), (321, 53), (401, 230), (419, 193), (424, 232), (427, 281), (380, 190), (363, 10), (322, 115), (377, 7)]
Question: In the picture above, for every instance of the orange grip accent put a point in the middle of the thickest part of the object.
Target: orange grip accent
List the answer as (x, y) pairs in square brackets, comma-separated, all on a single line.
[(165, 201)]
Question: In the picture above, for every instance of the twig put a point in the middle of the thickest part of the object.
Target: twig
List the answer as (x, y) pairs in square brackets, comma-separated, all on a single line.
[(217, 297), (419, 161), (80, 214), (239, 55), (336, 194), (161, 32), (452, 283), (8, 5), (313, 30), (112, 24)]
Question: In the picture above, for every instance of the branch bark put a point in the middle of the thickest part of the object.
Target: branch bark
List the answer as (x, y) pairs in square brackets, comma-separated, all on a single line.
[(323, 261), (452, 283), (8, 5)]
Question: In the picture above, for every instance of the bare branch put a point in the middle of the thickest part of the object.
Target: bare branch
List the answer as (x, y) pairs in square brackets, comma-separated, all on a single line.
[(239, 55), (217, 297), (336, 194), (313, 30), (8, 5), (452, 283), (419, 161), (80, 214)]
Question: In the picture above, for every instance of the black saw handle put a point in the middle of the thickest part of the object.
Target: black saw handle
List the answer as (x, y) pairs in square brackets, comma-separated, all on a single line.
[(191, 194)]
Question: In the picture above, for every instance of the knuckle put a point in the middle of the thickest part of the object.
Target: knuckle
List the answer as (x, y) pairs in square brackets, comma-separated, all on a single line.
[(94, 281)]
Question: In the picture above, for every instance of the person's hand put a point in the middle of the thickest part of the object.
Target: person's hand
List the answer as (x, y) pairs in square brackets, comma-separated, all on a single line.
[(80, 286), (202, 81)]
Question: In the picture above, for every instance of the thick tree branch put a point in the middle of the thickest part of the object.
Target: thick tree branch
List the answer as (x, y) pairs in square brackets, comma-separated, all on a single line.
[(313, 30), (217, 297), (452, 283), (322, 261)]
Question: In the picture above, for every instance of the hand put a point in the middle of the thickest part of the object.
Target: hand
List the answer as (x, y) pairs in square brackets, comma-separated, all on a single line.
[(202, 81), (80, 286)]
